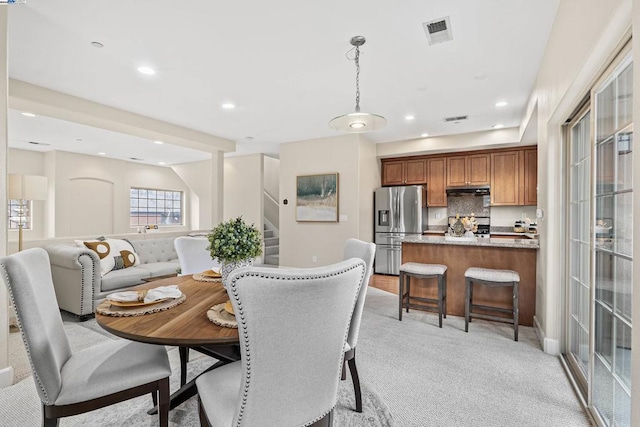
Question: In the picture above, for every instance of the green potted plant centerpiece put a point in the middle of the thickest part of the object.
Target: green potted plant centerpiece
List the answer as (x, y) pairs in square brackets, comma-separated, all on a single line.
[(235, 244)]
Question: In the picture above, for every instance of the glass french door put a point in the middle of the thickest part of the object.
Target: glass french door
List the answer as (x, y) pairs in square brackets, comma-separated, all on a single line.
[(598, 321), (579, 280), (613, 247)]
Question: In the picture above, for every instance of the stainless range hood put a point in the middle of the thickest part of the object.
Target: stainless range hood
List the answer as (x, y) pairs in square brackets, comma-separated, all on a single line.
[(481, 190)]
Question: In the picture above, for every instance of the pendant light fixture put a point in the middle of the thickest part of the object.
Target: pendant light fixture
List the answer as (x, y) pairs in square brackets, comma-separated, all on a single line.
[(357, 122)]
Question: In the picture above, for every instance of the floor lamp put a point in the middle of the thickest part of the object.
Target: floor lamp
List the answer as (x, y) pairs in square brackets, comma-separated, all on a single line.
[(24, 188)]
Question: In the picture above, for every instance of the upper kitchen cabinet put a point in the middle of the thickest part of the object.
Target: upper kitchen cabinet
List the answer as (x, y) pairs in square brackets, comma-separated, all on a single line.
[(404, 172), (436, 180), (472, 169), (505, 178), (514, 177), (530, 176)]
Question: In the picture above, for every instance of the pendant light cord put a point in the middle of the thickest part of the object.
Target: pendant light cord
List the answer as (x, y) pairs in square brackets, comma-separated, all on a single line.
[(357, 59)]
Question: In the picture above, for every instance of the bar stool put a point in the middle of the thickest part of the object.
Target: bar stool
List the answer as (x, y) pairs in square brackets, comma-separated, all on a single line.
[(493, 278), (423, 271)]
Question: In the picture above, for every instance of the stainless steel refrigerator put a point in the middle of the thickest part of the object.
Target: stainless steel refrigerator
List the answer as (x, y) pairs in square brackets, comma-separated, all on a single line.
[(398, 212)]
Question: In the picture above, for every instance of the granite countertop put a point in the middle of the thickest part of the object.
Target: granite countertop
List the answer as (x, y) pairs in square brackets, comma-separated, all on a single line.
[(491, 242)]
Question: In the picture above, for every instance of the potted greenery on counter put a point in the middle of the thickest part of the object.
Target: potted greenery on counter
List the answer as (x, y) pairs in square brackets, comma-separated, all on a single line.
[(235, 244)]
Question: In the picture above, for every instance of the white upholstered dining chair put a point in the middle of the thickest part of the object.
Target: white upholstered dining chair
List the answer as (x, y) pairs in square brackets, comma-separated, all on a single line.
[(193, 255), (72, 383), (292, 325), (355, 248)]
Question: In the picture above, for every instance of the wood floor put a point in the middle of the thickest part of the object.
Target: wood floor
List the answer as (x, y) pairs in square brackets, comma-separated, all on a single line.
[(384, 282)]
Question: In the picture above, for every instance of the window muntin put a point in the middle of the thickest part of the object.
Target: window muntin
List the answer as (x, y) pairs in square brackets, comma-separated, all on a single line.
[(17, 214), (153, 206)]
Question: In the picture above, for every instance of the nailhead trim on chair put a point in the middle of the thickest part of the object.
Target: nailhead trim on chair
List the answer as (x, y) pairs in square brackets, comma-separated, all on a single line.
[(93, 307), (26, 345), (245, 332)]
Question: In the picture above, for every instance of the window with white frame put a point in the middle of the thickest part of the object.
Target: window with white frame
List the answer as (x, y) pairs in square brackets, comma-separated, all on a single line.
[(152, 206), (18, 213)]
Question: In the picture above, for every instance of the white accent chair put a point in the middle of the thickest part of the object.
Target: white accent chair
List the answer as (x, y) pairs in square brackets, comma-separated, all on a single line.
[(193, 255), (293, 325), (355, 248), (73, 383)]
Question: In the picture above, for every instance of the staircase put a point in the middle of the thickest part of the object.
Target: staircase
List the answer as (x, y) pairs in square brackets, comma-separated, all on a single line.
[(271, 245)]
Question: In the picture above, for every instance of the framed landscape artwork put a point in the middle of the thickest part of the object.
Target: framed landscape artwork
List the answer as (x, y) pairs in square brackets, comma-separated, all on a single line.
[(317, 198)]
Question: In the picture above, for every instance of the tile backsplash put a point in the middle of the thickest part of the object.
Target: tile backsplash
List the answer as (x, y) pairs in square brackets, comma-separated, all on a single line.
[(465, 205)]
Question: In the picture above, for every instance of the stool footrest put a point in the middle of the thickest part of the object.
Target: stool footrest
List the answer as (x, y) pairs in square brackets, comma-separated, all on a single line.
[(422, 307), (488, 317), (423, 299), (486, 307)]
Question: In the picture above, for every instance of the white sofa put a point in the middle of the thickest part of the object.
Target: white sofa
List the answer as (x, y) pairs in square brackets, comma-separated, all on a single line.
[(76, 272)]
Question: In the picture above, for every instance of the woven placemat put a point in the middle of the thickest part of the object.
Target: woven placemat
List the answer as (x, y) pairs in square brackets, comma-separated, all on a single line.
[(106, 308), (199, 277), (218, 315)]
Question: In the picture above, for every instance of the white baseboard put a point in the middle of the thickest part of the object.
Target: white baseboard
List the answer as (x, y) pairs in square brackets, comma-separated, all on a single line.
[(549, 345), (6, 377)]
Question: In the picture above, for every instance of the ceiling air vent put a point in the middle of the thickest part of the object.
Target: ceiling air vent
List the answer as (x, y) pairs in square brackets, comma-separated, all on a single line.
[(455, 118), (438, 31)]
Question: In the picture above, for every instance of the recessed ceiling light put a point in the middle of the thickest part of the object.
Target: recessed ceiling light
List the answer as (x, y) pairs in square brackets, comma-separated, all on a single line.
[(161, 163), (409, 117), (249, 138), (102, 154), (498, 126), (147, 70), (79, 139), (97, 44), (501, 103), (424, 135), (28, 114), (228, 106), (158, 142)]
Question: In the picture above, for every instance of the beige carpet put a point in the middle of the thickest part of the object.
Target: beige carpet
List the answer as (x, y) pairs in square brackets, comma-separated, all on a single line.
[(20, 406)]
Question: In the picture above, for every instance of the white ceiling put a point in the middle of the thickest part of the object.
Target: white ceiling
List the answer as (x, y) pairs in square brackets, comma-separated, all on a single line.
[(282, 63)]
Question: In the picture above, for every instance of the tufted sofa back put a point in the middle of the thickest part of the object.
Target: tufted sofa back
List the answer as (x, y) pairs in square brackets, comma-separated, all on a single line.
[(155, 250)]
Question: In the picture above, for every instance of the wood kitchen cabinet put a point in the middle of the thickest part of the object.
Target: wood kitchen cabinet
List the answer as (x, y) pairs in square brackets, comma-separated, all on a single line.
[(529, 168), (505, 178), (404, 172), (436, 182), (512, 174), (471, 169), (514, 178)]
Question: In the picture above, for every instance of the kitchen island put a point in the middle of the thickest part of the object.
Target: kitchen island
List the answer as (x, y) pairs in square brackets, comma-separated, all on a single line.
[(459, 254)]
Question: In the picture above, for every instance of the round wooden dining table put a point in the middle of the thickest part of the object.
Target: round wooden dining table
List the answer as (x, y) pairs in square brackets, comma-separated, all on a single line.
[(185, 326)]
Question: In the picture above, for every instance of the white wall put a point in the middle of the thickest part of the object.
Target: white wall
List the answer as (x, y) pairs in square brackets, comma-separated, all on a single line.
[(63, 170), (500, 138), (272, 190), (6, 371), (272, 177), (301, 241), (506, 216), (369, 180), (243, 188), (198, 177)]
